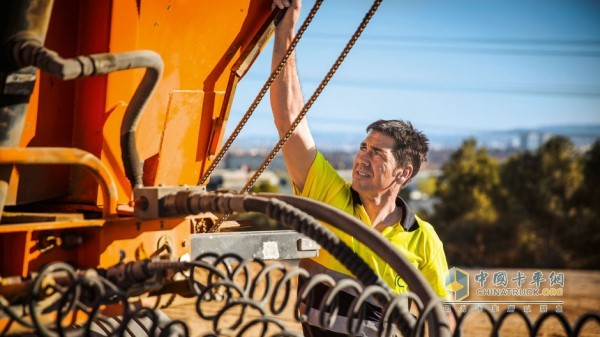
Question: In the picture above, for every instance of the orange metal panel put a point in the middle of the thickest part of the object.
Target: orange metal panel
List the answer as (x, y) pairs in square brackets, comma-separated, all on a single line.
[(93, 26), (129, 237), (19, 248), (200, 41), (104, 242), (177, 142), (12, 260)]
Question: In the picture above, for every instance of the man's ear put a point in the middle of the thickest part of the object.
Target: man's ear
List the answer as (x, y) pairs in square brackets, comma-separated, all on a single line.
[(404, 173)]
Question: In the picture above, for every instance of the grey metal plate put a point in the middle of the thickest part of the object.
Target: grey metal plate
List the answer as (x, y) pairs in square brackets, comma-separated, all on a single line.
[(266, 245)]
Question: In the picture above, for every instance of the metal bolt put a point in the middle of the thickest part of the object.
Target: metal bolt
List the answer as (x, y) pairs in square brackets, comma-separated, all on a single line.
[(142, 203)]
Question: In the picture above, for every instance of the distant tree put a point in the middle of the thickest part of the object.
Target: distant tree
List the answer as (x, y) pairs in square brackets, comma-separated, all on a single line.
[(428, 185), (540, 188), (465, 216), (591, 171), (257, 221), (265, 186), (583, 236)]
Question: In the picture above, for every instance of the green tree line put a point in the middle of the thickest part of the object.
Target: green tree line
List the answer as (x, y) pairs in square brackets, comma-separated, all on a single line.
[(535, 209)]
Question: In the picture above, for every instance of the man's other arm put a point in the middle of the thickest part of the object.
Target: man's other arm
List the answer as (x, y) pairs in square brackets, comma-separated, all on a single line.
[(286, 99)]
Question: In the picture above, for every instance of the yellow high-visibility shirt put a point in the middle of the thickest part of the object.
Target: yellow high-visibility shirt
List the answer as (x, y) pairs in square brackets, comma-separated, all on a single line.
[(420, 244)]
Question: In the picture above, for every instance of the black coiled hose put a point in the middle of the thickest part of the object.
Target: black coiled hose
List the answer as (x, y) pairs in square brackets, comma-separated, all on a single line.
[(293, 212)]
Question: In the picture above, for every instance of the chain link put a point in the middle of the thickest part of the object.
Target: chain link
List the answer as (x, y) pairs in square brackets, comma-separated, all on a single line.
[(262, 93), (306, 106)]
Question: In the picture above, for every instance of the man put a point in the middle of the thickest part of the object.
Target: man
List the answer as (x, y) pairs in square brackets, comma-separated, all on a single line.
[(388, 158)]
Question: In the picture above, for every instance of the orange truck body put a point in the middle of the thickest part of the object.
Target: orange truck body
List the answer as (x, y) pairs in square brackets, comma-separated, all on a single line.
[(206, 47)]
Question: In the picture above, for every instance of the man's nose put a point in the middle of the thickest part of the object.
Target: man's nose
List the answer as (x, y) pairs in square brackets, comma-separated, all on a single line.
[(363, 158)]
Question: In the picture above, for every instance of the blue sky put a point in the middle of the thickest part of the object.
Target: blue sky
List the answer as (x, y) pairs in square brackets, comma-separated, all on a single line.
[(448, 66)]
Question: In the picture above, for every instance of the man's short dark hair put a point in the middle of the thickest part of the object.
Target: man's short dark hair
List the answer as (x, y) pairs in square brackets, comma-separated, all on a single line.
[(411, 144)]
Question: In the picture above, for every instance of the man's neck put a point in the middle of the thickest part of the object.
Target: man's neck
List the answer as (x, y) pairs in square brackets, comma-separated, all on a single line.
[(382, 210)]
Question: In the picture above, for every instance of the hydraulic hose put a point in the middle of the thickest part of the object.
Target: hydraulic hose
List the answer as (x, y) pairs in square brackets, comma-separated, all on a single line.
[(30, 52), (126, 275), (154, 68), (17, 17)]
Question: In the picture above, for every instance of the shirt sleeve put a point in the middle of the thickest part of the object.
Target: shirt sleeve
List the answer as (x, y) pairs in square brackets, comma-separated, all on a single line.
[(435, 271), (324, 184)]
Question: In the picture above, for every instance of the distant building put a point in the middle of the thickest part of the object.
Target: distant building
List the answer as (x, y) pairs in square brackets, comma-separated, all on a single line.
[(226, 179), (532, 140)]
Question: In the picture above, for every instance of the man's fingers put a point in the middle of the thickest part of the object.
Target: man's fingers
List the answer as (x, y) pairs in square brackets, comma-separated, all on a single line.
[(277, 3), (281, 3)]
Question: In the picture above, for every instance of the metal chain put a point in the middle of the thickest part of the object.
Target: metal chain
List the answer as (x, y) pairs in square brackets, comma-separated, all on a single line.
[(307, 106), (314, 96), (262, 93)]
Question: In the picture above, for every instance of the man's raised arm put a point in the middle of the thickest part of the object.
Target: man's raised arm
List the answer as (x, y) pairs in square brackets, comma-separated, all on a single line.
[(286, 99)]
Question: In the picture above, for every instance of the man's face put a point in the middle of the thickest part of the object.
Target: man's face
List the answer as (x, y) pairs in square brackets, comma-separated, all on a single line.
[(375, 167)]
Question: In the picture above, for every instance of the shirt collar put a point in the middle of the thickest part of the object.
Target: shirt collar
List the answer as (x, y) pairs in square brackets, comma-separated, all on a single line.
[(408, 221)]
